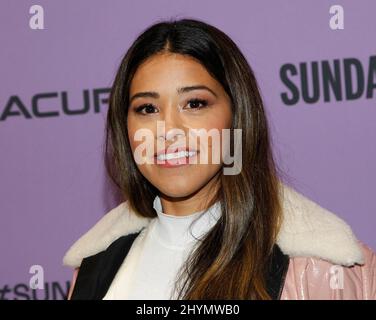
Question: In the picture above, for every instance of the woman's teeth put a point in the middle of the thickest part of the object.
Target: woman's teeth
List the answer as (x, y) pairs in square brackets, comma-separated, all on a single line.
[(176, 155)]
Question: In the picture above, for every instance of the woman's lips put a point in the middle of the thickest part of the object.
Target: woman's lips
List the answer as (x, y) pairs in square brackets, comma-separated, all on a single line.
[(178, 157)]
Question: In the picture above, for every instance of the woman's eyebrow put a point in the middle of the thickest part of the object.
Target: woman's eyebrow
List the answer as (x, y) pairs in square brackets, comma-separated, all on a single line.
[(155, 95), (197, 87)]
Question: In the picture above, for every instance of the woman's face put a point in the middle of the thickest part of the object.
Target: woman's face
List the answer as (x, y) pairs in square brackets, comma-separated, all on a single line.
[(166, 105)]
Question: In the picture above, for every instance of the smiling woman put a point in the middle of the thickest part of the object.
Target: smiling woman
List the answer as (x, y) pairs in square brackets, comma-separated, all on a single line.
[(178, 83), (188, 230)]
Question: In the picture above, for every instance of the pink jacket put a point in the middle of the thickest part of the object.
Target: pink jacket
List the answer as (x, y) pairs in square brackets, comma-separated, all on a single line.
[(317, 279), (326, 261)]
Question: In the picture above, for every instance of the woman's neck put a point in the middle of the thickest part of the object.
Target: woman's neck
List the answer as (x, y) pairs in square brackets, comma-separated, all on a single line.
[(198, 201)]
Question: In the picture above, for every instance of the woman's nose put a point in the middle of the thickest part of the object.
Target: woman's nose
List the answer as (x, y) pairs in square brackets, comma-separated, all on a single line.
[(170, 125)]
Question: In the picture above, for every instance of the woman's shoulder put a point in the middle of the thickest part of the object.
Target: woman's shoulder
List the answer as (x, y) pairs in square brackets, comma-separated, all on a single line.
[(307, 230), (327, 261), (310, 230), (116, 223), (317, 278)]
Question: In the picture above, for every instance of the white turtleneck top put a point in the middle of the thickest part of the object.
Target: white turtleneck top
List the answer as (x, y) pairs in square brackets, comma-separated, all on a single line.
[(150, 268)]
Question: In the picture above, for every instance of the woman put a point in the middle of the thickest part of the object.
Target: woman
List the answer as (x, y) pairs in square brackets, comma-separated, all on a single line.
[(206, 216)]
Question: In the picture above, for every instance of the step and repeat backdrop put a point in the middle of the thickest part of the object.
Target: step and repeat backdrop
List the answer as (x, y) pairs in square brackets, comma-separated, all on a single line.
[(316, 67)]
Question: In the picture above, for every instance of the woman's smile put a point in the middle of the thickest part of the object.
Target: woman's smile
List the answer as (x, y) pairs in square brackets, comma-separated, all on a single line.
[(178, 158)]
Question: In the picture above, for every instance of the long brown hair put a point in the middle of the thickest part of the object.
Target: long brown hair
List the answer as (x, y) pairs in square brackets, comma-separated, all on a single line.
[(230, 262)]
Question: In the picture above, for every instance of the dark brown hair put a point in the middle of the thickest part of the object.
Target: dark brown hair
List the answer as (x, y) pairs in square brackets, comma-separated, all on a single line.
[(230, 262)]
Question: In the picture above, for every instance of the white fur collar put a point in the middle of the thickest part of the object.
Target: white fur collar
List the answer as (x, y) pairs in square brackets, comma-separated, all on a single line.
[(308, 230)]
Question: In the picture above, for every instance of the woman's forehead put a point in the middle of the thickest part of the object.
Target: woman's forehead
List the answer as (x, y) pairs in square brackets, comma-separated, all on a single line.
[(170, 71)]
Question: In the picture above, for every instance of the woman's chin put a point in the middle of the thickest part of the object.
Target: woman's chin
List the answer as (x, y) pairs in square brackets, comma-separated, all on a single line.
[(178, 189)]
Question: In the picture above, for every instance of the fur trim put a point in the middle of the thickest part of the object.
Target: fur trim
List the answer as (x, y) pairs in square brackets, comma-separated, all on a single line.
[(307, 230), (116, 223)]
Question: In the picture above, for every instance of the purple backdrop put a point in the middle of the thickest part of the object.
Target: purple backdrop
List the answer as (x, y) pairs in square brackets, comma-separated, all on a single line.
[(52, 180)]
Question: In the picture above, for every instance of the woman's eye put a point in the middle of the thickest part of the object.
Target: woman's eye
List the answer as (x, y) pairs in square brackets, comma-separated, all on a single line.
[(194, 104), (197, 103), (146, 109)]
